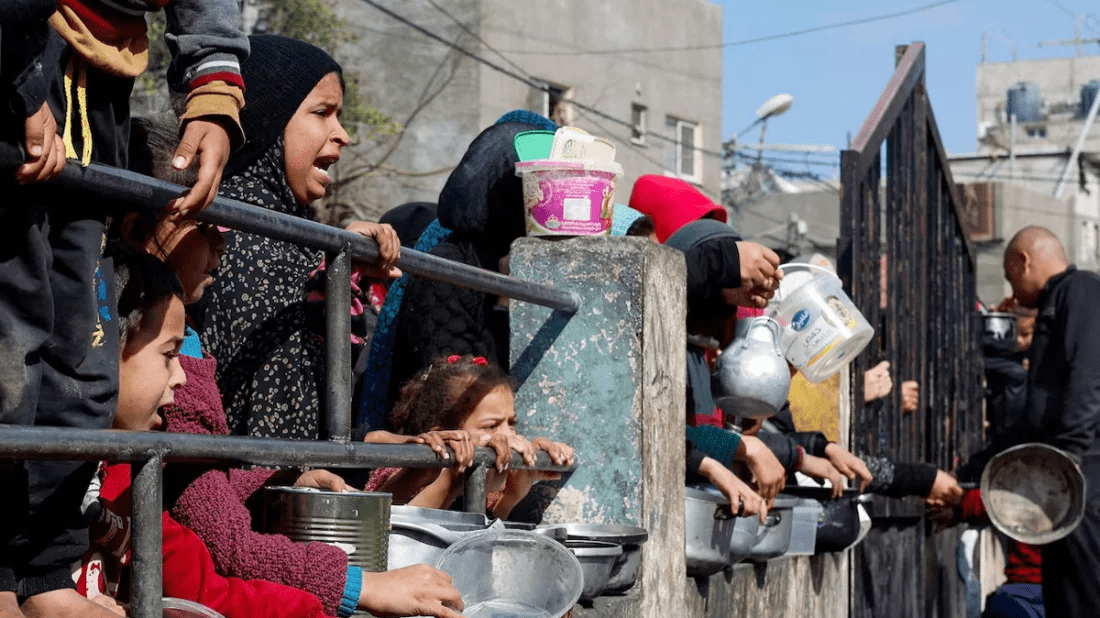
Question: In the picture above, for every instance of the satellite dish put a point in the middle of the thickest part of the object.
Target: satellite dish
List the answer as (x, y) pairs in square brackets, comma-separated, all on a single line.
[(775, 106)]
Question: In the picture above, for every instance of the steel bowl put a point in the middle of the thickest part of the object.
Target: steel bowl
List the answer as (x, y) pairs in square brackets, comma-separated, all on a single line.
[(999, 326), (608, 533), (597, 560), (1034, 493), (421, 535)]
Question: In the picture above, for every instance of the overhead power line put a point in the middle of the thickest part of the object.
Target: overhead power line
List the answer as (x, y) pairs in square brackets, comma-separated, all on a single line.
[(525, 79), (773, 37)]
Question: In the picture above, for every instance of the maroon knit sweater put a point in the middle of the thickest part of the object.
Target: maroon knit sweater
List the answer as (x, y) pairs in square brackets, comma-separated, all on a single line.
[(214, 505)]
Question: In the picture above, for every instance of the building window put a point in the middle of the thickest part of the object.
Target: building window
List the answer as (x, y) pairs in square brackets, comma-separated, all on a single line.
[(638, 118), (554, 101), (685, 159)]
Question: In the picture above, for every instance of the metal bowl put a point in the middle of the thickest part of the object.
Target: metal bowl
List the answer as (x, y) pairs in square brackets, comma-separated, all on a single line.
[(421, 535), (1034, 493), (597, 560), (182, 608)]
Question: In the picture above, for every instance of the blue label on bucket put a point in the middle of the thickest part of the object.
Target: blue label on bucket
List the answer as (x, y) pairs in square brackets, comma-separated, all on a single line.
[(801, 320)]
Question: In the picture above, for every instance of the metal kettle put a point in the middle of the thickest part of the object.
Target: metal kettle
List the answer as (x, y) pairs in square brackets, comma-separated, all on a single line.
[(751, 378)]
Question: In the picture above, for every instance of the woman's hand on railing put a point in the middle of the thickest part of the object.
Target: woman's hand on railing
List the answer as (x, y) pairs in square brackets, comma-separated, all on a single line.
[(389, 250)]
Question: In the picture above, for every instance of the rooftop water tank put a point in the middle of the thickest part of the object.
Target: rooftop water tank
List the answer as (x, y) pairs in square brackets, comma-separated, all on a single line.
[(1024, 101), (1088, 95)]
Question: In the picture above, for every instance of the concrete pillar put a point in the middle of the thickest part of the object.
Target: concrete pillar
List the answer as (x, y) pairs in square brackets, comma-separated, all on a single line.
[(610, 381)]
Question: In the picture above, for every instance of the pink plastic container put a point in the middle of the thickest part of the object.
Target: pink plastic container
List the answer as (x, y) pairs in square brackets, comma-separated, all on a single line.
[(568, 198)]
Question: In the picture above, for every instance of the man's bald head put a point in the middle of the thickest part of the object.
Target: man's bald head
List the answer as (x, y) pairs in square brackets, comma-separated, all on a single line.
[(1032, 257)]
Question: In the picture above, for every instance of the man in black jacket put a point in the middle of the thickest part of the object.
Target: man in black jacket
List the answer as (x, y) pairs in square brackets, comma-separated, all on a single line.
[(1063, 400)]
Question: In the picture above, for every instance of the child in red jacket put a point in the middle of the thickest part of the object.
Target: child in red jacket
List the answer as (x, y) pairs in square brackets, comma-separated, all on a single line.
[(151, 320)]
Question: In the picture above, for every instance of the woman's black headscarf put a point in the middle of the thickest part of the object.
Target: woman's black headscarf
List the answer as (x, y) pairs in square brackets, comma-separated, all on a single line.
[(256, 322)]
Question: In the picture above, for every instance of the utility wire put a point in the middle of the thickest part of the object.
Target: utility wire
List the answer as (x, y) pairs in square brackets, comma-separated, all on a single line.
[(773, 37), (527, 80), (470, 32), (1074, 16)]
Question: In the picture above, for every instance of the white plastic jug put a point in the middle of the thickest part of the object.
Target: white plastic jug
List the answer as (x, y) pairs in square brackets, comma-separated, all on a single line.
[(822, 328)]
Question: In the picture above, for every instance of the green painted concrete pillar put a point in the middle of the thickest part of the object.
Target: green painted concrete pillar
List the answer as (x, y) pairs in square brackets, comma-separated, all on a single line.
[(610, 382)]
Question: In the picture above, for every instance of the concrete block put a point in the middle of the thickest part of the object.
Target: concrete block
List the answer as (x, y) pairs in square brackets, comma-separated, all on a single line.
[(610, 381)]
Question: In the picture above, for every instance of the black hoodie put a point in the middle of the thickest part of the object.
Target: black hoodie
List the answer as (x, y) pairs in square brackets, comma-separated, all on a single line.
[(482, 204)]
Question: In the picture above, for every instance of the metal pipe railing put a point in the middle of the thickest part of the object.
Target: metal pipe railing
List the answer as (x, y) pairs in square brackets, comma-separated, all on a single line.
[(127, 187), (117, 446)]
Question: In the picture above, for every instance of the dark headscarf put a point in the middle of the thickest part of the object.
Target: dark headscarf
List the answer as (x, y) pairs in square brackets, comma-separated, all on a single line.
[(271, 361), (278, 75)]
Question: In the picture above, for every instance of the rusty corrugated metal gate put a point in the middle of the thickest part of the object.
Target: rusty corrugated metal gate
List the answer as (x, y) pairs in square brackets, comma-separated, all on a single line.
[(905, 258)]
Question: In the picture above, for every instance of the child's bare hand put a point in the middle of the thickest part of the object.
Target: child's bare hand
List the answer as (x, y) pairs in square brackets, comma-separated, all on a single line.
[(560, 453), (380, 436), (45, 148), (209, 141), (459, 441), (504, 444), (111, 604), (417, 590), (321, 479), (389, 249)]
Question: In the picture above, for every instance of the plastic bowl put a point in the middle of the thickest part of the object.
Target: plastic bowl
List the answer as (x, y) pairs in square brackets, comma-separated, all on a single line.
[(182, 608), (513, 573)]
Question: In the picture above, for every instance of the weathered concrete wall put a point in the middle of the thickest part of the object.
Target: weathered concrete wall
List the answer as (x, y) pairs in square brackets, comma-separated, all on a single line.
[(610, 381)]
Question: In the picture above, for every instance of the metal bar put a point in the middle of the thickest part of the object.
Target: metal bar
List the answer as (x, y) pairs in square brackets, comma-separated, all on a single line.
[(475, 487), (1077, 147), (148, 537), (886, 109), (124, 187), (17, 442), (950, 185), (337, 407)]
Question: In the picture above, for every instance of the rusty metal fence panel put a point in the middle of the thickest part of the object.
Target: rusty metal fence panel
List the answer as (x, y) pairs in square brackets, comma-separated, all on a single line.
[(906, 260)]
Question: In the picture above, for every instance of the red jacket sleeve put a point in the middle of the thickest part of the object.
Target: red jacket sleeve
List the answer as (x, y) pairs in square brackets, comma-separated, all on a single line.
[(214, 509), (189, 574)]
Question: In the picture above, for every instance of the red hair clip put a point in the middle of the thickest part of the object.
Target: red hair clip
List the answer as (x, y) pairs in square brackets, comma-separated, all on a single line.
[(453, 358), (480, 360)]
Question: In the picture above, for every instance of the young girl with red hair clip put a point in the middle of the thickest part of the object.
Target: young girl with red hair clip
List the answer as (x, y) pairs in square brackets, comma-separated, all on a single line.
[(473, 399)]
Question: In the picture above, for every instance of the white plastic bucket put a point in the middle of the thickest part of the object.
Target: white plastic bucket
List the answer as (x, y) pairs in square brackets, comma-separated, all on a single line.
[(822, 328), (568, 198)]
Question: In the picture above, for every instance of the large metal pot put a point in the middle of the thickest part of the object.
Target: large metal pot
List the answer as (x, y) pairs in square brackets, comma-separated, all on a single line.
[(357, 522), (1034, 493), (775, 535), (420, 535), (751, 378), (708, 525), (625, 571)]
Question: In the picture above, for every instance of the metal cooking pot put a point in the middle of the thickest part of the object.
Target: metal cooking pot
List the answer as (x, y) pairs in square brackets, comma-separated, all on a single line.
[(625, 572), (598, 559), (631, 538), (708, 526), (775, 537), (420, 535), (999, 326), (357, 522), (1034, 493), (838, 526), (751, 378)]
